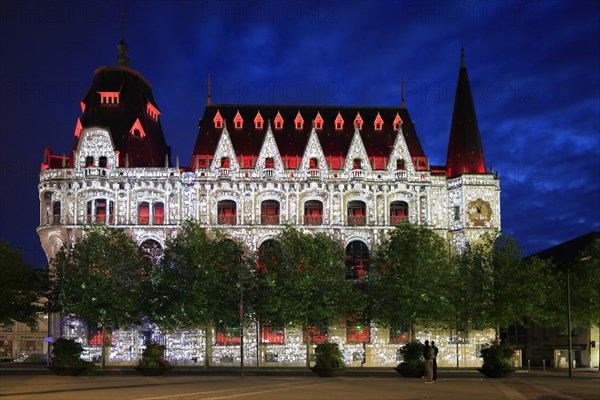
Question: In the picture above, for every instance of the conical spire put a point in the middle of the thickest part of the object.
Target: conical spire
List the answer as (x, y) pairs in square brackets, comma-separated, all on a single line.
[(122, 57), (465, 152)]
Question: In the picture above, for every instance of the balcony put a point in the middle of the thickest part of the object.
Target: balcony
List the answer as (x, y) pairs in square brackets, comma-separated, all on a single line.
[(357, 220), (357, 173), (313, 220), (224, 173), (268, 173), (95, 171), (269, 219), (398, 219), (313, 173), (227, 220), (401, 175)]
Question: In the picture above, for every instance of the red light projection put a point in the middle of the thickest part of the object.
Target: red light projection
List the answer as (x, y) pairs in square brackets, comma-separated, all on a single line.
[(278, 121), (258, 121), (152, 111), (397, 122), (378, 124), (339, 122), (238, 121), (109, 97), (218, 120), (318, 121), (299, 121), (78, 128), (358, 121), (137, 130)]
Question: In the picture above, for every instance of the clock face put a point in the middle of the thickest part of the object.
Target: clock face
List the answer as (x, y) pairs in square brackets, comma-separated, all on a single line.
[(479, 212)]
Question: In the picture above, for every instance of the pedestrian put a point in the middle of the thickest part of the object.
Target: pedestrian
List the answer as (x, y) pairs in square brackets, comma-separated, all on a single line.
[(435, 353), (428, 354)]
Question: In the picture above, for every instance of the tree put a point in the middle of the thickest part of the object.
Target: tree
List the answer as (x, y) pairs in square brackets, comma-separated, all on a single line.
[(301, 281), (19, 287), (585, 295), (100, 279), (409, 272), (499, 287)]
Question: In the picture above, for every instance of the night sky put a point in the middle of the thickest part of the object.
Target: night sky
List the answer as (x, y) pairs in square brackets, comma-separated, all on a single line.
[(534, 68)]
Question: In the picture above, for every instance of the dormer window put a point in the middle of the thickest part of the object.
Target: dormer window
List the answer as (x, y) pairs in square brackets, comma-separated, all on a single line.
[(299, 122), (89, 161), (218, 121), (339, 122), (238, 122), (278, 121), (397, 122), (357, 163), (258, 121), (400, 165), (224, 162), (137, 130), (109, 97), (318, 121), (358, 121), (103, 162), (152, 111), (378, 124), (269, 163)]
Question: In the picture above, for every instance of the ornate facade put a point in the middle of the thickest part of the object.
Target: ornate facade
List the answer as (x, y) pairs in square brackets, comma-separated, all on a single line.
[(353, 172)]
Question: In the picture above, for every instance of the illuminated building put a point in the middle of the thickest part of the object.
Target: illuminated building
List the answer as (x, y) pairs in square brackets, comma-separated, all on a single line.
[(352, 172)]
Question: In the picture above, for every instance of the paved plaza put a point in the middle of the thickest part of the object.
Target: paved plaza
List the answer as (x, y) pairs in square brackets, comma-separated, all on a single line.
[(289, 385)]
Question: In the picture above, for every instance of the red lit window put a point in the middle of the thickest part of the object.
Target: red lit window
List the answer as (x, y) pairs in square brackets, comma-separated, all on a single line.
[(227, 335), (100, 211), (272, 334), (397, 122), (238, 122), (315, 333), (258, 121), (400, 165), (218, 120), (336, 162), (158, 211), (278, 121), (399, 333), (339, 122), (357, 163), (313, 163), (144, 213), (224, 162), (97, 212), (269, 162), (379, 163), (358, 121), (358, 331), (398, 212), (357, 213), (313, 212), (318, 121), (378, 124), (269, 212), (226, 211), (299, 121)]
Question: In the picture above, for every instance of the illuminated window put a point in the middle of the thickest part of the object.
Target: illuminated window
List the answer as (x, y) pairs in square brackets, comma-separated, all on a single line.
[(399, 333), (358, 121), (456, 213), (227, 335), (398, 212), (258, 121), (272, 334), (238, 122), (316, 333), (158, 213), (313, 212), (218, 120), (339, 122), (358, 331), (99, 213), (357, 261), (357, 213), (378, 124), (278, 121), (226, 211), (313, 163), (318, 121), (269, 162), (269, 212), (144, 213), (224, 162), (299, 121), (397, 122)]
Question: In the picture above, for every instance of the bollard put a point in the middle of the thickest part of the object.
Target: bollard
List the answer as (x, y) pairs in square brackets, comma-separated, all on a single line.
[(544, 365), (528, 365)]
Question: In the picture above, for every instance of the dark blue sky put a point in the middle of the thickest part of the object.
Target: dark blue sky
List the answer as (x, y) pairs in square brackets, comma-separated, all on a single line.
[(534, 68)]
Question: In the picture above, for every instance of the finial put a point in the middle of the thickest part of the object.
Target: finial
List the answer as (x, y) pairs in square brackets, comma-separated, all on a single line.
[(403, 102), (122, 57), (462, 55), (208, 102)]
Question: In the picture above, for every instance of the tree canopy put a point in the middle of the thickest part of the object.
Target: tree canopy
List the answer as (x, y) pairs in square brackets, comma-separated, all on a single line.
[(19, 287)]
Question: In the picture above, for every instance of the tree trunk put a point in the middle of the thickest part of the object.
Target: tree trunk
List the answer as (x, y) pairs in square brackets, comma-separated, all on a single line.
[(206, 346), (103, 351)]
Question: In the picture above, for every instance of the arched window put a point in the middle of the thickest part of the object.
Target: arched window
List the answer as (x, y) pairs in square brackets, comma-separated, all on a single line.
[(143, 213), (269, 212), (103, 162), (158, 212), (313, 163), (269, 163), (268, 254), (153, 250), (89, 162), (224, 162), (357, 213), (226, 211), (357, 261), (100, 211), (56, 212), (313, 212), (398, 212)]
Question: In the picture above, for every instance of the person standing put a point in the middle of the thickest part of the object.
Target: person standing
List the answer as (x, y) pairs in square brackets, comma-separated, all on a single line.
[(435, 353), (428, 355)]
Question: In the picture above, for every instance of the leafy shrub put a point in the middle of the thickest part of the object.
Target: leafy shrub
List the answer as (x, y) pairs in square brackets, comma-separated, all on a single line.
[(153, 356), (496, 356), (412, 355), (328, 355), (66, 353)]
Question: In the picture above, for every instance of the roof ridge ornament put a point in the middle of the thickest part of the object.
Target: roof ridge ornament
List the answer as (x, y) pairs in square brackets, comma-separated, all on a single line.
[(122, 57)]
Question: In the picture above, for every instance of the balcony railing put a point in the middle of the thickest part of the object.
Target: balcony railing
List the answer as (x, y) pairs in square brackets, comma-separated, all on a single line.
[(269, 219), (357, 173), (401, 174), (313, 220), (356, 220), (397, 219), (227, 219), (313, 173), (269, 172), (224, 173)]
